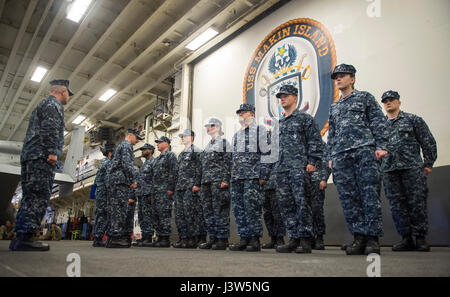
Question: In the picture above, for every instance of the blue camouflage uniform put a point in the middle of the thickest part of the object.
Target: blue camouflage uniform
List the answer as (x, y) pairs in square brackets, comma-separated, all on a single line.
[(403, 172), (164, 178), (357, 128), (300, 144), (188, 210), (216, 168), (322, 173), (101, 199), (44, 137), (271, 211), (122, 175), (145, 219), (246, 171)]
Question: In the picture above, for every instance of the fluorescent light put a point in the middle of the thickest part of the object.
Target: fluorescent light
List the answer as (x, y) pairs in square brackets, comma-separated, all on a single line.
[(78, 119), (38, 74), (77, 10), (108, 94), (201, 39)]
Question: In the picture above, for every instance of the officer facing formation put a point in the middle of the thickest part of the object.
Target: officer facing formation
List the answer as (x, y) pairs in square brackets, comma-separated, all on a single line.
[(123, 182), (404, 173), (164, 178), (188, 213), (215, 195), (300, 152), (101, 197), (357, 138), (42, 148), (249, 173), (143, 192)]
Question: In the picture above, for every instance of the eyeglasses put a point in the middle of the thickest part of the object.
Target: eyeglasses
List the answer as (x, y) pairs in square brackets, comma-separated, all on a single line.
[(386, 100)]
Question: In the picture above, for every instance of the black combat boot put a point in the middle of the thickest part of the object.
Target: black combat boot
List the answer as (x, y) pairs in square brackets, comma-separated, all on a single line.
[(191, 243), (421, 244), (280, 241), (138, 242), (304, 246), (289, 247), (179, 244), (220, 244), (118, 242), (98, 242), (407, 244), (26, 242), (239, 246), (372, 245), (358, 246), (271, 244), (318, 243), (201, 240), (254, 245), (164, 242), (147, 242), (208, 245)]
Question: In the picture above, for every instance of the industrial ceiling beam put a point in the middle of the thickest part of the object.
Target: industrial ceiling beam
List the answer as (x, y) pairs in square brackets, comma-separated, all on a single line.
[(17, 42), (121, 50), (43, 84), (177, 49), (33, 63)]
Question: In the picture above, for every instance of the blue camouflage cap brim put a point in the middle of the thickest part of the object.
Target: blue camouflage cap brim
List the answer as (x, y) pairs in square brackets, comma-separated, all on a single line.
[(389, 94), (287, 90), (62, 82), (343, 68), (246, 107)]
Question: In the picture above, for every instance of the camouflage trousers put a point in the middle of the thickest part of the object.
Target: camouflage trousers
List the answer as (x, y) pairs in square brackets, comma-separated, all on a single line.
[(357, 179), (407, 193), (271, 213), (37, 180), (295, 203), (101, 213), (120, 210), (247, 199), (317, 201), (188, 214), (129, 221), (145, 218), (216, 209), (161, 209)]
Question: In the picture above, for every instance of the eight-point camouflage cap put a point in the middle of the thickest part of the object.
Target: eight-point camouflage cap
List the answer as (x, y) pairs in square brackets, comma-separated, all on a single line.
[(62, 82), (187, 132), (288, 90), (246, 107), (163, 139), (213, 121), (343, 68), (147, 147), (135, 132), (390, 94)]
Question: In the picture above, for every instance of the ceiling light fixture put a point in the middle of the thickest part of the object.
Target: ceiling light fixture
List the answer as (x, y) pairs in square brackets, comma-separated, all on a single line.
[(39, 74), (78, 120), (202, 39), (107, 95), (77, 9)]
